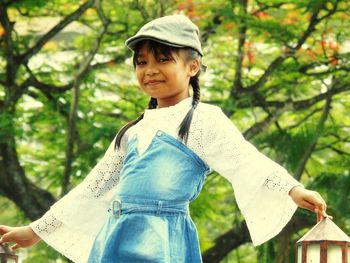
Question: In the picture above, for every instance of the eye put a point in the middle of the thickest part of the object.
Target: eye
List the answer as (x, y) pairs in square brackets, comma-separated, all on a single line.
[(164, 60), (140, 62)]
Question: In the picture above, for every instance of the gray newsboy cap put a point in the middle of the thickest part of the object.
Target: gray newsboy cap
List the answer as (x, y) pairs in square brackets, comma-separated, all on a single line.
[(174, 30)]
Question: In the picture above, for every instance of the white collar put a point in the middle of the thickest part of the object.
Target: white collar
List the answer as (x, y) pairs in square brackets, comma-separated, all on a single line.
[(170, 110)]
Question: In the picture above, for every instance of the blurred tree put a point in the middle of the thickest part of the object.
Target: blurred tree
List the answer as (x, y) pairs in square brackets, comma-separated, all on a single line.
[(279, 69)]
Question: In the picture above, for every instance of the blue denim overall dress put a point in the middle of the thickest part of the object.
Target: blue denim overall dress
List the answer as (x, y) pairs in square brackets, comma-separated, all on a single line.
[(149, 220)]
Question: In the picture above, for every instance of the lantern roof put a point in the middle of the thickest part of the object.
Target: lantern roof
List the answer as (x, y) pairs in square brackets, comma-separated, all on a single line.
[(326, 229), (4, 249)]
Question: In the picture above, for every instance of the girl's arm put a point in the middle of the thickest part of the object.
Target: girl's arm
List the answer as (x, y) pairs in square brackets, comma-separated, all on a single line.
[(310, 200), (266, 194), (71, 224), (23, 236)]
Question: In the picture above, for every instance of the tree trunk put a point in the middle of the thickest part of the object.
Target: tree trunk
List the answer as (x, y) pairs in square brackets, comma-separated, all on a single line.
[(32, 200), (226, 243), (237, 236)]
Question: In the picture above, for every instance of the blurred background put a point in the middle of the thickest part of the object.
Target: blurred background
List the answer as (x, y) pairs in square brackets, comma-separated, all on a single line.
[(279, 70)]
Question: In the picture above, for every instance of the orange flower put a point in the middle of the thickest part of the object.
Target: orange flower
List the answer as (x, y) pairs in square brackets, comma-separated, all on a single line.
[(229, 25), (2, 31), (333, 60), (324, 44), (334, 46), (111, 63), (261, 15), (311, 54)]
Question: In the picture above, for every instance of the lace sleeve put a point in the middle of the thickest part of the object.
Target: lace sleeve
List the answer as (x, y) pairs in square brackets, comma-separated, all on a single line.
[(46, 225), (71, 224), (261, 185)]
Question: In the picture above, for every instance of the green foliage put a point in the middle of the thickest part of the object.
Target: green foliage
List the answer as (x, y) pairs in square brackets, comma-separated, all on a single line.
[(266, 253), (214, 211), (39, 253), (109, 97), (335, 188), (30, 4)]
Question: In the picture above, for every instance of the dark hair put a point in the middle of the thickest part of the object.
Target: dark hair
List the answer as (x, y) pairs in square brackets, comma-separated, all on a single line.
[(158, 50)]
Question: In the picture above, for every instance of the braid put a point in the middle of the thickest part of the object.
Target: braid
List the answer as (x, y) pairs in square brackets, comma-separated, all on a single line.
[(186, 122), (153, 103), (124, 129), (194, 81)]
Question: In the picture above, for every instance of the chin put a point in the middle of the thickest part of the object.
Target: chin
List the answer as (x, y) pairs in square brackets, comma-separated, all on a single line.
[(153, 95)]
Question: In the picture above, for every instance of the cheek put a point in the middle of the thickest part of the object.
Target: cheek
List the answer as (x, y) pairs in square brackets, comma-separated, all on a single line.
[(139, 76)]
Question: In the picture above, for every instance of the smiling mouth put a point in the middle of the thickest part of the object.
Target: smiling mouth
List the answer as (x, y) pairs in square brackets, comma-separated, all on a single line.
[(154, 83)]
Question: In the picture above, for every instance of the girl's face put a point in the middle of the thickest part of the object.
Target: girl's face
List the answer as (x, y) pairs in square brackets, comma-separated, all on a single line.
[(165, 78)]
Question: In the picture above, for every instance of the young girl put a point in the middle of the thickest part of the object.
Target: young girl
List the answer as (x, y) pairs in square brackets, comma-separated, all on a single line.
[(133, 206)]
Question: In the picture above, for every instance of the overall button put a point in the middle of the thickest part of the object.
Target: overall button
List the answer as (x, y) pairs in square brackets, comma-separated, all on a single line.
[(159, 133)]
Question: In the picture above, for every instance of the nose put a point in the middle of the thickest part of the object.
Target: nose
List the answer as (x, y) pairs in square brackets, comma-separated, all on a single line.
[(152, 70)]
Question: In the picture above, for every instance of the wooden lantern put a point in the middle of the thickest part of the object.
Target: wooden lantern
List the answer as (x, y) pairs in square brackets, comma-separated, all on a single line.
[(6, 256), (324, 243)]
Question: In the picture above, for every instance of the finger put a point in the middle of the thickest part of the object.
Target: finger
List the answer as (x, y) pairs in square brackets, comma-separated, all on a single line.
[(15, 246), (316, 200), (308, 206), (322, 201), (318, 215), (321, 209), (6, 238), (321, 204), (324, 214), (320, 197), (4, 229), (330, 217)]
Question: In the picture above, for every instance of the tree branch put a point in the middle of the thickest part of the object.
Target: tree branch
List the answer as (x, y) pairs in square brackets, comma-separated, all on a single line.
[(296, 105), (32, 200), (239, 235), (237, 83), (136, 5), (332, 70), (311, 27), (32, 81), (8, 2), (259, 126), (290, 51), (331, 144), (225, 243), (211, 29), (303, 119), (23, 59), (341, 152), (83, 70), (310, 148), (282, 107), (268, 72), (11, 65), (264, 6), (303, 104)]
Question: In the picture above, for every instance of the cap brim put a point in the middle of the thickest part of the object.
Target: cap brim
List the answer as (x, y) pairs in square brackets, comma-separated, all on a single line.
[(132, 42)]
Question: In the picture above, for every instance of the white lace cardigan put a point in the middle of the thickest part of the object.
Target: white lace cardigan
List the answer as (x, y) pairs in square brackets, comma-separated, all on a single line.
[(261, 186)]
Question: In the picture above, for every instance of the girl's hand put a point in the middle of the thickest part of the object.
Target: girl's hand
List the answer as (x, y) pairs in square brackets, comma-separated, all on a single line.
[(22, 236), (310, 200)]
